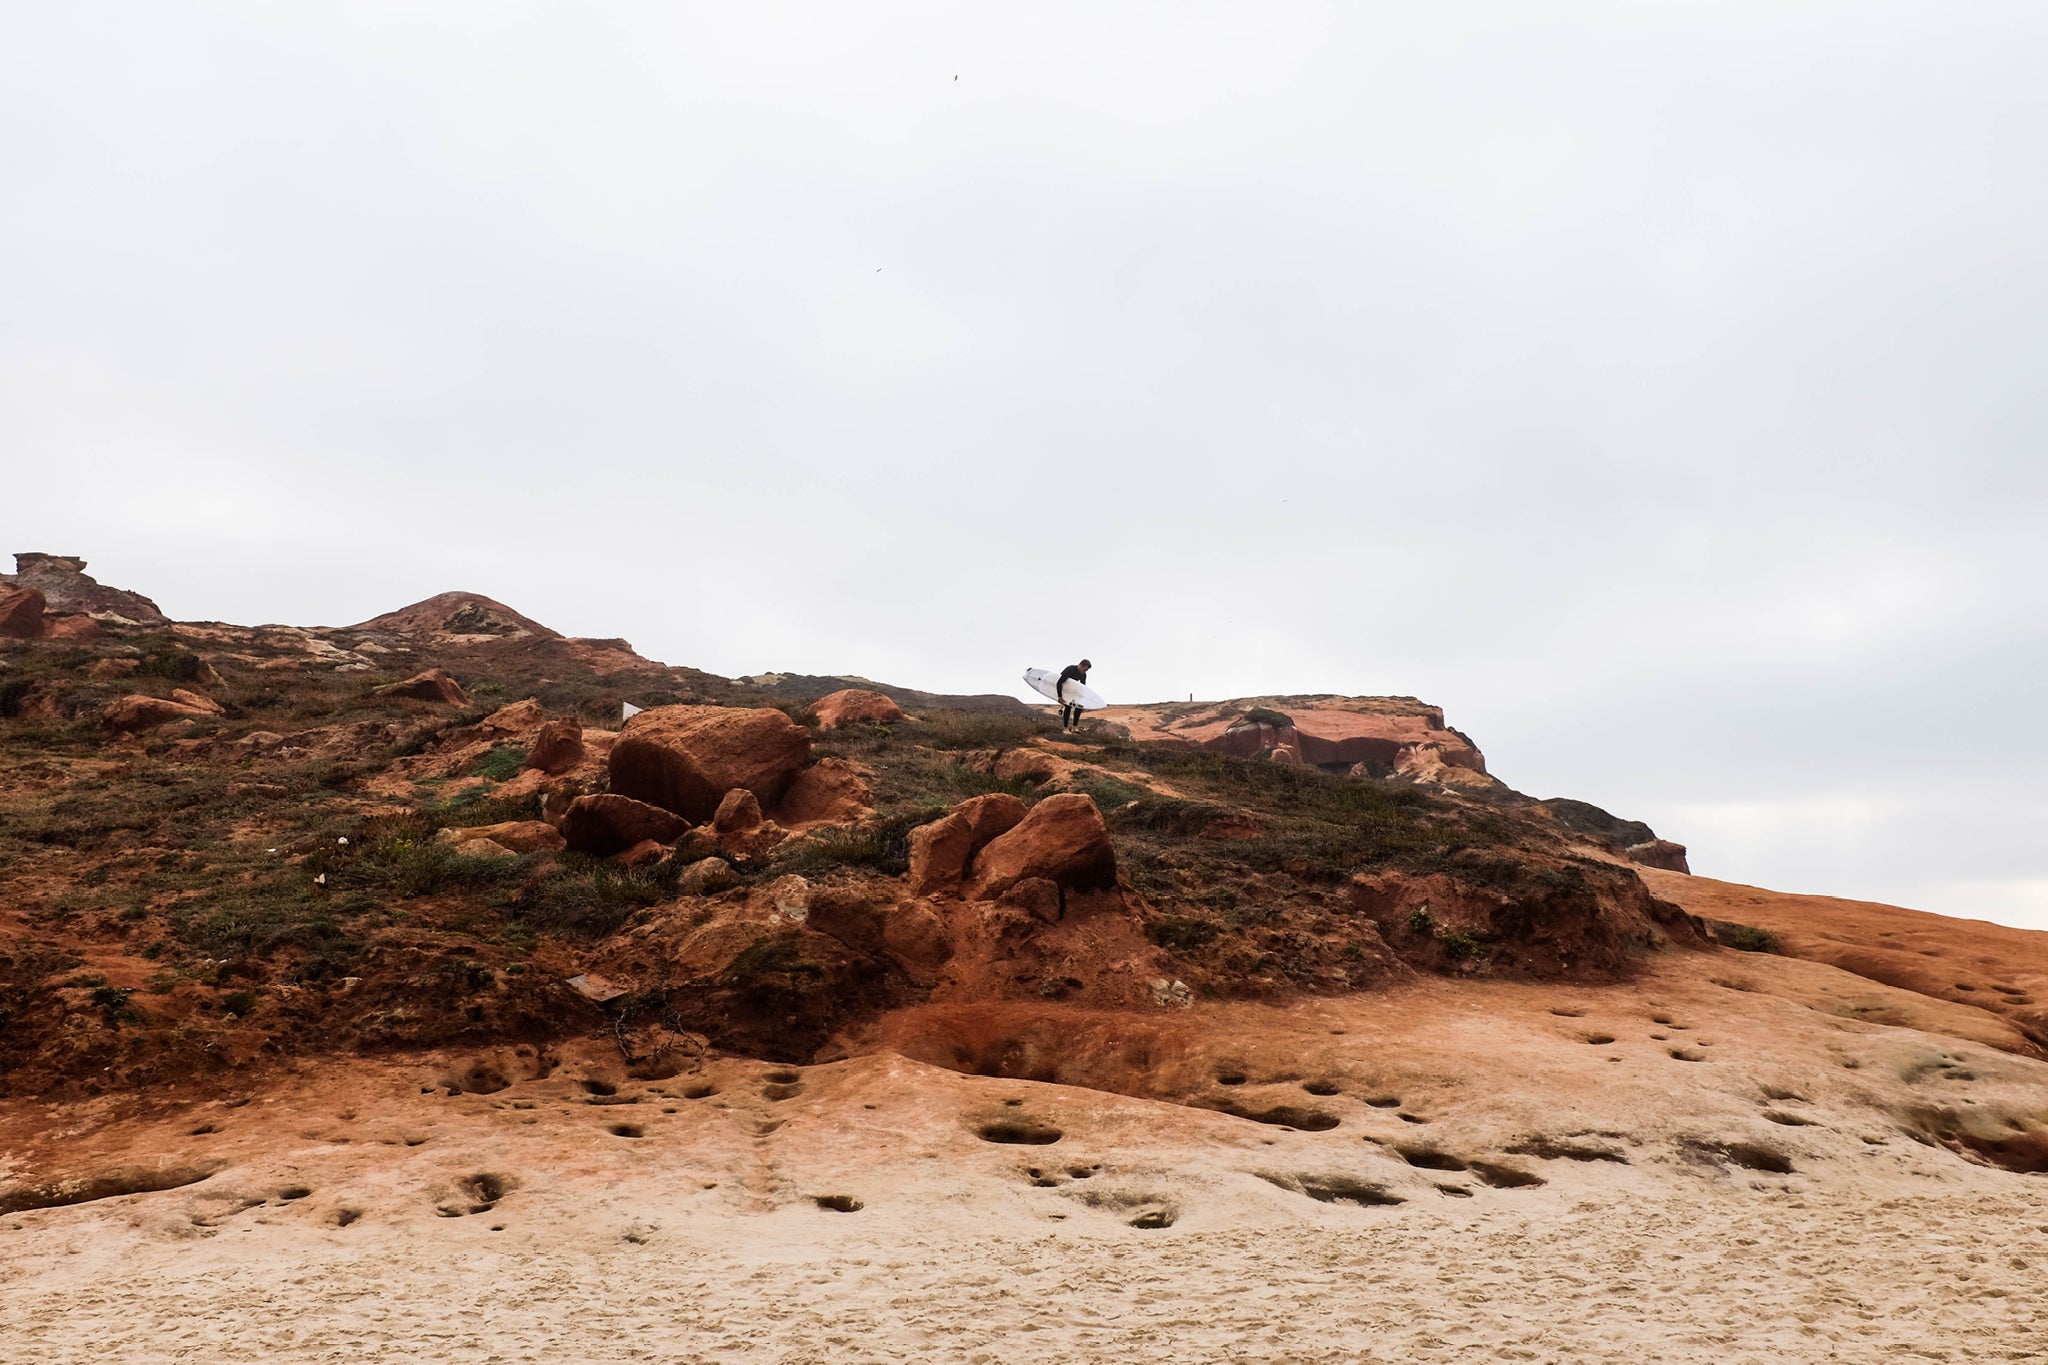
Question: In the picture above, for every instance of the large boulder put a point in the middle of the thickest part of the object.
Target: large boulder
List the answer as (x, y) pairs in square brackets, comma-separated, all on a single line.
[(21, 614), (557, 748), (686, 758), (853, 706), (609, 823), (71, 628), (940, 851), (434, 685), (1062, 840), (138, 712), (831, 791)]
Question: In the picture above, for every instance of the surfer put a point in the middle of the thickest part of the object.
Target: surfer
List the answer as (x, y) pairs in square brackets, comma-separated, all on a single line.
[(1070, 712)]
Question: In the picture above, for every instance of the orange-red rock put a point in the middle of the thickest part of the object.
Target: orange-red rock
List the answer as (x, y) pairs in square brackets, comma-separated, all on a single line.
[(740, 810), (71, 628), (196, 701), (434, 685), (831, 791), (608, 823), (21, 614), (941, 851), (521, 836), (686, 758), (852, 705), (106, 670), (556, 749), (517, 718), (1062, 840), (136, 712)]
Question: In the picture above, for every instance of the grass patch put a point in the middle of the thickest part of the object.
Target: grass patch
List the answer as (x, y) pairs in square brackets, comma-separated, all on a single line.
[(1745, 938), (501, 764), (590, 897)]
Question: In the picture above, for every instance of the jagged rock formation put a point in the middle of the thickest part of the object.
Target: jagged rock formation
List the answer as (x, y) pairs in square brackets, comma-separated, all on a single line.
[(1370, 736), (68, 590)]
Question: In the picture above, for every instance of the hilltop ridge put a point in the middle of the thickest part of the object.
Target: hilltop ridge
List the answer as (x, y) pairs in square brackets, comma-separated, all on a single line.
[(434, 836)]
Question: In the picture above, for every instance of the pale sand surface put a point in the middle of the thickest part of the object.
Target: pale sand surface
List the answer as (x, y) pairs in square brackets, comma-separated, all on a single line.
[(701, 1239), (1683, 1279)]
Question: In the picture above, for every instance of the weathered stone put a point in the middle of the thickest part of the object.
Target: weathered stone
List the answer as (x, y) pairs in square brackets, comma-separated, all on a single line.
[(739, 811), (557, 748), (608, 823), (686, 758), (1063, 840), (434, 685), (831, 791), (941, 851), (853, 705), (21, 614), (521, 836)]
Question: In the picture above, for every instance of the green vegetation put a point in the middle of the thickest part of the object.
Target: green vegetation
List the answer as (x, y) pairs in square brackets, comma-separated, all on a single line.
[(1745, 938), (501, 764)]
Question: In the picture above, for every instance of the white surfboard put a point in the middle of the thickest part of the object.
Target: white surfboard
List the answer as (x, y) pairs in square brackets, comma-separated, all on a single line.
[(1044, 682)]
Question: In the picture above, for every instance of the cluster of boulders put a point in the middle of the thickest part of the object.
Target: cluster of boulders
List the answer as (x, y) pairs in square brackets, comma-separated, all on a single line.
[(719, 781), (990, 848)]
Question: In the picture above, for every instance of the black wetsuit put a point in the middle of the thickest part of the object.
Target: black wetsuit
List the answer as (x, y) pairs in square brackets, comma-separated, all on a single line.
[(1070, 712)]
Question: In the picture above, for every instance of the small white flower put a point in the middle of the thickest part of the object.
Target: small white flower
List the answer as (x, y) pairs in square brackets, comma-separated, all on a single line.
[(343, 840)]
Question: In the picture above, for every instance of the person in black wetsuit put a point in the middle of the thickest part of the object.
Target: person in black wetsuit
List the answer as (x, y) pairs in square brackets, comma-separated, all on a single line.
[(1070, 712)]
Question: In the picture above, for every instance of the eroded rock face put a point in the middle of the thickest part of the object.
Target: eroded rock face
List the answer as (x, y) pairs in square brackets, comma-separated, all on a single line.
[(832, 791), (434, 685), (686, 758), (608, 823), (557, 748), (1062, 840), (941, 851), (852, 705), (21, 613), (1550, 918)]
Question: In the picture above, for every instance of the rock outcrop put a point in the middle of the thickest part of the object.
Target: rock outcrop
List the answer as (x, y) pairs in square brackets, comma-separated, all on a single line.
[(21, 613), (68, 590), (1661, 853), (941, 851), (686, 758), (520, 836), (608, 823), (1062, 840), (137, 712), (460, 615), (434, 685), (853, 705), (557, 748), (1366, 736)]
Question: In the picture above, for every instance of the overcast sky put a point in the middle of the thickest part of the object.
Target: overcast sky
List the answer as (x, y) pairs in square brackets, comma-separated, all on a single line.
[(1657, 387)]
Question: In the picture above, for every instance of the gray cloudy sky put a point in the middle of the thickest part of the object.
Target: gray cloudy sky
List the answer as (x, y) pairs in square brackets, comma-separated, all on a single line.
[(1656, 386)]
